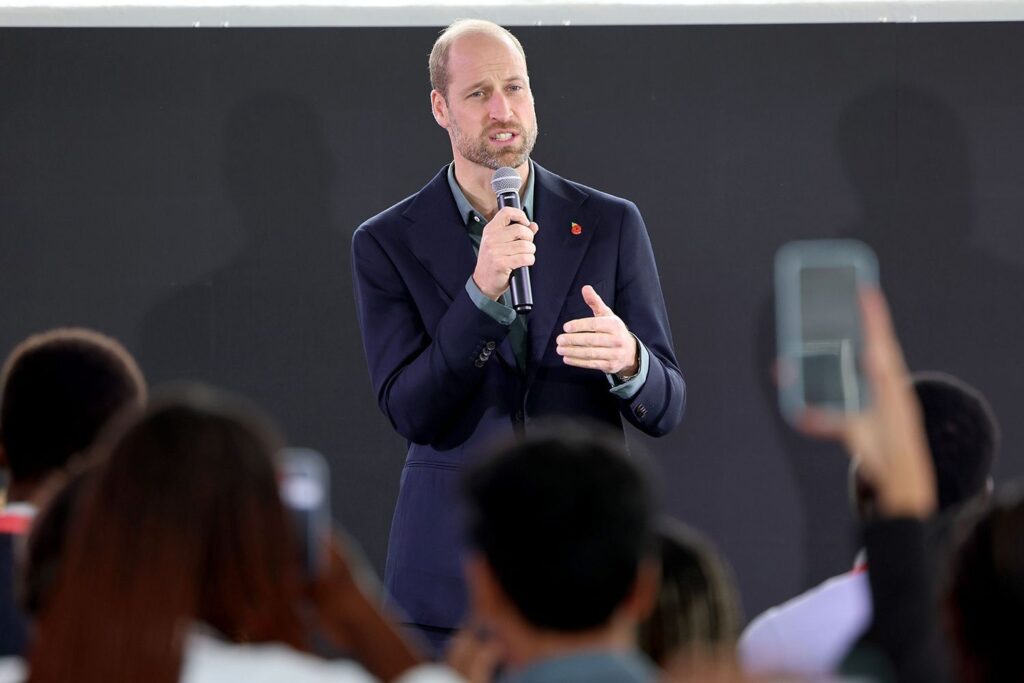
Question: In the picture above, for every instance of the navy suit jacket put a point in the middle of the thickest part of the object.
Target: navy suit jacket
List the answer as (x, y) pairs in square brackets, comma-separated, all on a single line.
[(444, 371)]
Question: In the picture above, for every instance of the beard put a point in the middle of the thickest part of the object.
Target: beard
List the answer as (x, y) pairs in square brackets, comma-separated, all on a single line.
[(480, 150)]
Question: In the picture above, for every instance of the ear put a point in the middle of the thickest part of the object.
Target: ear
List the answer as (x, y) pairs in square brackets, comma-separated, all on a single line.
[(641, 600), (985, 494), (487, 600), (439, 108)]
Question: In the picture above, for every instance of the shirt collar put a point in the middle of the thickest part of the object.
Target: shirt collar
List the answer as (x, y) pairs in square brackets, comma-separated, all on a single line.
[(586, 665), (466, 210)]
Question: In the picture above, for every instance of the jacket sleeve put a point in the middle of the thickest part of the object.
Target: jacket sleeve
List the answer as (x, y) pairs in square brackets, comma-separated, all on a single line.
[(422, 378), (905, 626), (658, 406)]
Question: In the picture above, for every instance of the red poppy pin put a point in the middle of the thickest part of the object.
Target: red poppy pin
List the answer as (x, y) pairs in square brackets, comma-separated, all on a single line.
[(576, 228)]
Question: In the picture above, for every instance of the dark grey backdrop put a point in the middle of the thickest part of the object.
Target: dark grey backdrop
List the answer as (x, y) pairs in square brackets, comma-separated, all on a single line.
[(193, 192)]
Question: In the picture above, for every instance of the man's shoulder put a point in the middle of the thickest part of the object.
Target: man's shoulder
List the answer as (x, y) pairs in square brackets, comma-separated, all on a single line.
[(399, 214), (611, 211), (388, 217), (589, 666), (553, 182)]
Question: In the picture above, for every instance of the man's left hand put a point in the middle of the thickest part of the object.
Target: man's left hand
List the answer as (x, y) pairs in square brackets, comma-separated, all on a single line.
[(602, 342)]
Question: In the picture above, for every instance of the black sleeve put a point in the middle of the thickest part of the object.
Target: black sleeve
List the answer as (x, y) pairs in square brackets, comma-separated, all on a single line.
[(906, 626)]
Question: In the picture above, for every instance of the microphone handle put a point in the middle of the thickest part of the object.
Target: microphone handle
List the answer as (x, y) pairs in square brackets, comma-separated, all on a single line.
[(519, 282)]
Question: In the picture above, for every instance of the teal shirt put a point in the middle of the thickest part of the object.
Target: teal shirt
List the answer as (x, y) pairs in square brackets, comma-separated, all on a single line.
[(594, 666), (503, 312)]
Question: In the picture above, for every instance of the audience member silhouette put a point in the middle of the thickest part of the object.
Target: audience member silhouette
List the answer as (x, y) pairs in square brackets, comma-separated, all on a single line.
[(181, 565), (563, 563), (986, 596), (59, 389), (697, 609), (811, 633)]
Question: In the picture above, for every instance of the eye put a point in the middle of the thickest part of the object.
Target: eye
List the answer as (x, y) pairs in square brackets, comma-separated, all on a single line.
[(476, 94), (514, 88)]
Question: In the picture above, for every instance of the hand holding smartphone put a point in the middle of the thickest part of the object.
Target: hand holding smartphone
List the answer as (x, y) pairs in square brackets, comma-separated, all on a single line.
[(305, 492), (349, 618), (818, 326)]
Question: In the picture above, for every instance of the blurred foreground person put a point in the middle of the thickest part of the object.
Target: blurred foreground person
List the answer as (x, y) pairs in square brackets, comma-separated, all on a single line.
[(811, 633), (180, 565), (563, 561), (57, 392), (889, 442), (986, 596), (698, 606)]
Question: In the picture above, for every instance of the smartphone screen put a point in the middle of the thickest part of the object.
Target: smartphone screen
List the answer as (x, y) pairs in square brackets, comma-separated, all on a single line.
[(830, 334), (305, 491), (819, 327)]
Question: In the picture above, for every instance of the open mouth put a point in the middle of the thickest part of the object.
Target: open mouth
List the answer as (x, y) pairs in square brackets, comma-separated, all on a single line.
[(503, 137)]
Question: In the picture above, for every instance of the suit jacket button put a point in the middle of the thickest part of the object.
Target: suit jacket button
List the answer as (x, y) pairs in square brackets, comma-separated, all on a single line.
[(479, 363), (491, 345)]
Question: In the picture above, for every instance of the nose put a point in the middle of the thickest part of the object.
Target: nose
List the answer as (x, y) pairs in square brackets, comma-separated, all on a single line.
[(499, 107)]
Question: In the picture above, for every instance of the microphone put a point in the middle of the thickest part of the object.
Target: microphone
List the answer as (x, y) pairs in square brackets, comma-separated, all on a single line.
[(505, 182)]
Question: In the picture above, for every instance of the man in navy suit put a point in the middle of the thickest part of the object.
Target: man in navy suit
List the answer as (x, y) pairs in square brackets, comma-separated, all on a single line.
[(454, 367)]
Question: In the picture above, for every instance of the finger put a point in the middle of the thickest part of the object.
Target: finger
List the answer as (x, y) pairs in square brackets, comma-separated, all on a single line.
[(534, 227), (858, 438), (506, 264), (595, 302), (879, 333), (588, 353), (459, 651), (515, 247), (603, 324), (589, 339), (820, 424), (583, 363), (509, 215), (474, 656), (521, 261), (520, 232), (502, 234)]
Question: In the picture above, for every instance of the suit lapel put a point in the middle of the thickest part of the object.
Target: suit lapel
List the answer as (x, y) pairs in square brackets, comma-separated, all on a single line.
[(437, 236), (438, 239), (559, 254)]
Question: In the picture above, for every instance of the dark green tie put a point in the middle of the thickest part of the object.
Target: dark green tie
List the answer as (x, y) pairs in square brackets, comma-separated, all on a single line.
[(517, 331)]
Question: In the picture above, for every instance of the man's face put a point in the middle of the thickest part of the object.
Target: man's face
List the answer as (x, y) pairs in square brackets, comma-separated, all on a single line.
[(488, 109)]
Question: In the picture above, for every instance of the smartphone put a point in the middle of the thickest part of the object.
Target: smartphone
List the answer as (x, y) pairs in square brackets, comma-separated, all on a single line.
[(818, 325), (305, 491)]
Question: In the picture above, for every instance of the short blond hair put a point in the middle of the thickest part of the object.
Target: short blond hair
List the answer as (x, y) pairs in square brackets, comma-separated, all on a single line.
[(438, 63)]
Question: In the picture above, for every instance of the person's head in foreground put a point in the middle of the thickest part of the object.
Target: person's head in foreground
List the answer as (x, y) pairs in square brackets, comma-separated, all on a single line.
[(986, 595), (698, 605), (963, 438), (57, 392), (181, 526), (563, 558)]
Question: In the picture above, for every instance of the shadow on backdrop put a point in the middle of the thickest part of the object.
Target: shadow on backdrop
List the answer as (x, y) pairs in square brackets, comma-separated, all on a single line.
[(270, 324), (905, 154)]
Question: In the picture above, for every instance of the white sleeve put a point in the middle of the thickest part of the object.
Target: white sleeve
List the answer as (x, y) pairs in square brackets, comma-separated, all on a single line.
[(430, 673)]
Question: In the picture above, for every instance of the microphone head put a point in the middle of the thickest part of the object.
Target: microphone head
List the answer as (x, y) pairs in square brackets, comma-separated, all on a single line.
[(505, 179)]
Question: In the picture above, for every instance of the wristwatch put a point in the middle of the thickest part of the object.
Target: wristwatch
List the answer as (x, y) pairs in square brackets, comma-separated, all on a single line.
[(626, 378)]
